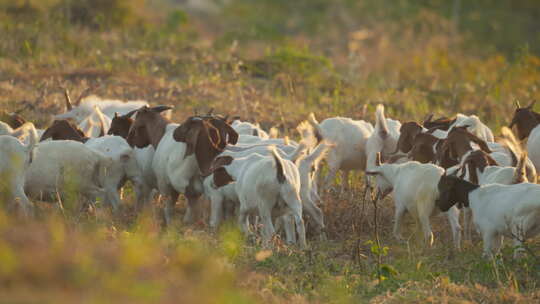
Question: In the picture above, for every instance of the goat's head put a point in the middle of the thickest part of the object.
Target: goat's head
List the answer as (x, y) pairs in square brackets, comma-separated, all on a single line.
[(121, 124), (422, 149), (149, 127), (408, 132), (14, 120), (202, 139), (525, 120), (477, 160), (63, 129), (459, 142), (453, 190), (384, 186), (227, 134), (220, 175)]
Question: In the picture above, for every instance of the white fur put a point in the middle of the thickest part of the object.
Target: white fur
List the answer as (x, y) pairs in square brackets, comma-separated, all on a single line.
[(414, 188), (505, 210), (349, 138), (247, 128), (107, 106), (124, 165), (14, 161), (64, 162)]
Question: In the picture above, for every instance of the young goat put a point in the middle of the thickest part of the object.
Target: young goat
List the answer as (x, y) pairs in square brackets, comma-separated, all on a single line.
[(264, 185), (497, 209), (414, 189)]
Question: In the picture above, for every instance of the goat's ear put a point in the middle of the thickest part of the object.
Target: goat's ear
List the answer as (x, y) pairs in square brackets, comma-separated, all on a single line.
[(222, 177), (159, 109), (529, 107), (115, 114), (428, 118)]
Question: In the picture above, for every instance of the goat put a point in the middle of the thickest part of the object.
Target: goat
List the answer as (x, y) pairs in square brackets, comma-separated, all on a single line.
[(497, 209), (414, 188), (261, 184), (182, 152), (349, 138), (124, 166), (84, 107), (15, 158), (440, 127), (526, 122), (66, 167)]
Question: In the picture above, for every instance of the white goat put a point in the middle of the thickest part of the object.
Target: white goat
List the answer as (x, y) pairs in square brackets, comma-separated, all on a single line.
[(349, 138), (497, 209), (124, 166), (107, 106), (414, 189), (14, 161), (262, 184), (66, 167), (384, 138)]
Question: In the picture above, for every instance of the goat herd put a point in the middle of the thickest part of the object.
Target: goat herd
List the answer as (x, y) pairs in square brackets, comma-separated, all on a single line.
[(441, 165)]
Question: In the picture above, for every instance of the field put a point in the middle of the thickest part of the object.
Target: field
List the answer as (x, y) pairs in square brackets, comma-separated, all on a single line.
[(272, 62)]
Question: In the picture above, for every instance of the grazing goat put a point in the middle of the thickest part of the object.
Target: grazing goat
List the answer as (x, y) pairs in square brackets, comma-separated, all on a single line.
[(497, 209), (264, 185), (14, 161), (526, 122), (124, 166), (66, 167), (349, 138), (414, 189)]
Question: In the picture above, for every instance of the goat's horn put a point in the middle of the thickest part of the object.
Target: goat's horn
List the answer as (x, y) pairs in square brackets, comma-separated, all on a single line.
[(69, 105)]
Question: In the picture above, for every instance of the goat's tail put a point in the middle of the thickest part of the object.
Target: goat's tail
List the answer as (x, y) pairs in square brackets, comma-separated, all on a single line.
[(307, 132), (380, 121), (102, 130), (520, 174), (280, 175), (315, 157), (509, 140), (315, 124), (273, 133)]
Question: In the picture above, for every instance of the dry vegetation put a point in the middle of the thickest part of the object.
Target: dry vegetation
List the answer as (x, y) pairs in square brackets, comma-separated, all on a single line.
[(272, 62)]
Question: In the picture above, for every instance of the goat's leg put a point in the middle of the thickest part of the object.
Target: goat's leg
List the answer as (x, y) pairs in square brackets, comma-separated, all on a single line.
[(329, 180), (216, 210), (266, 219), (345, 180), (192, 205), (467, 223), (426, 229), (487, 238), (453, 218), (400, 211), (170, 201)]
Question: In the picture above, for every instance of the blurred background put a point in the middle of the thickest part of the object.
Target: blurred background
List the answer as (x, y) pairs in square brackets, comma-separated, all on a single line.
[(336, 55)]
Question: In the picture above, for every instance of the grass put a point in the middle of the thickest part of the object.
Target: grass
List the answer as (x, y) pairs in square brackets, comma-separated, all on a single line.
[(273, 64)]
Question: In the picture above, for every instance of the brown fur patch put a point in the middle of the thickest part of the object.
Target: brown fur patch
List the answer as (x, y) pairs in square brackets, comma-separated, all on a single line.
[(64, 130), (222, 177)]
